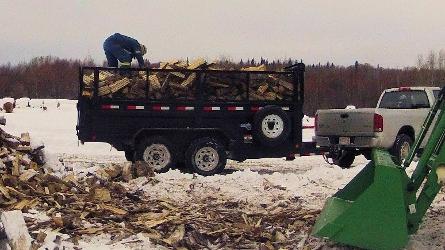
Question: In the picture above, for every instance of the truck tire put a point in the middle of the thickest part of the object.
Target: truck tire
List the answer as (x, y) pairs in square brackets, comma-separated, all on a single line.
[(206, 156), (401, 147), (271, 126), (345, 160), (157, 152)]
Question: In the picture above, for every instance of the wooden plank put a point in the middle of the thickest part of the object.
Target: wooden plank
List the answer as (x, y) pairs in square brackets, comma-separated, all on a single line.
[(178, 74), (261, 67), (113, 88), (197, 63), (16, 230)]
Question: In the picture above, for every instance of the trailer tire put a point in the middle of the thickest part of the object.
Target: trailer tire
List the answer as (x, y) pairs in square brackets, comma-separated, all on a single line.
[(345, 160), (157, 152), (271, 126), (206, 156), (401, 147)]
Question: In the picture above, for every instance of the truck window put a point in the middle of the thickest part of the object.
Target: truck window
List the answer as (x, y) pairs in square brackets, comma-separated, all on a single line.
[(404, 100)]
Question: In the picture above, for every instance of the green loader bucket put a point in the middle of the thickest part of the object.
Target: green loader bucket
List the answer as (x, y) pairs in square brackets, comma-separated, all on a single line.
[(370, 211)]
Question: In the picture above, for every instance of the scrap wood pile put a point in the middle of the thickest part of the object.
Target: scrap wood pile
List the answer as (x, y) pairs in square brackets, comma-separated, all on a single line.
[(99, 203), (181, 84)]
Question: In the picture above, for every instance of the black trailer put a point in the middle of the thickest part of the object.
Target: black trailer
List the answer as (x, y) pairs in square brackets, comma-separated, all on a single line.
[(195, 130)]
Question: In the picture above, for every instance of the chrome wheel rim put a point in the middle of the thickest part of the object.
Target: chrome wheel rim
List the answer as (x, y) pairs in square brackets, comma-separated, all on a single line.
[(157, 156), (272, 126), (206, 159)]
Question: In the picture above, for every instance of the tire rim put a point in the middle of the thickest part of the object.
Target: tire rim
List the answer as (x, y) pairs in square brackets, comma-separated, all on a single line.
[(206, 158), (272, 126), (157, 156), (404, 150)]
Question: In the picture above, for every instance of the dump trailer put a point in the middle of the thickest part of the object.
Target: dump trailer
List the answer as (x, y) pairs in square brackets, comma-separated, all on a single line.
[(382, 205), (193, 117)]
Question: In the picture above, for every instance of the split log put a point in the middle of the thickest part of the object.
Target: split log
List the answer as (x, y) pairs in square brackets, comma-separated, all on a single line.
[(154, 82), (261, 67), (197, 63), (126, 172), (189, 80), (25, 140), (16, 230)]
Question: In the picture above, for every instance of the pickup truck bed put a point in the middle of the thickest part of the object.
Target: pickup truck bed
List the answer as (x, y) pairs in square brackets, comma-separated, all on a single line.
[(393, 124)]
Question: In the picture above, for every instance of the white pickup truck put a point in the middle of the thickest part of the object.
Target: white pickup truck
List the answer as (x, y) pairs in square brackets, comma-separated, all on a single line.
[(394, 124)]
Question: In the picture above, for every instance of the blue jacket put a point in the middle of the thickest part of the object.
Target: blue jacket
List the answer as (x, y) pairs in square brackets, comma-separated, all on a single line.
[(129, 44)]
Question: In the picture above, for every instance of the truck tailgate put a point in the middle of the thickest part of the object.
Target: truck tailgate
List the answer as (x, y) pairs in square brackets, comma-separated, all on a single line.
[(346, 122)]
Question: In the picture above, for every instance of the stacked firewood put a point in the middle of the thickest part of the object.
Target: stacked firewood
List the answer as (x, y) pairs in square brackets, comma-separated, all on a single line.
[(180, 84), (17, 157)]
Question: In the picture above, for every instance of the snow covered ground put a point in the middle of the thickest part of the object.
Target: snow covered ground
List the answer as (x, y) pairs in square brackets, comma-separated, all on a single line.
[(261, 184)]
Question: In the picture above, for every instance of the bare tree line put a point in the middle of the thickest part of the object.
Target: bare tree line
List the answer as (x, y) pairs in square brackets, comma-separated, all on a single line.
[(326, 86)]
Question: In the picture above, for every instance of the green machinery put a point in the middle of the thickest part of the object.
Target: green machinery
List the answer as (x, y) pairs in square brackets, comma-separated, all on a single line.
[(382, 205)]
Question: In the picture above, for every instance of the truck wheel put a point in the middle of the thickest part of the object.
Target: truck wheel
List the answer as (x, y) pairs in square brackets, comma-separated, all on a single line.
[(345, 160), (129, 155), (206, 156), (156, 151), (271, 126), (401, 147)]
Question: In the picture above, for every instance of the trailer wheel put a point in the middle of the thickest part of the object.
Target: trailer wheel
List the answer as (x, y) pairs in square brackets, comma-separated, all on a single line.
[(345, 159), (206, 156), (271, 126), (401, 147), (156, 152)]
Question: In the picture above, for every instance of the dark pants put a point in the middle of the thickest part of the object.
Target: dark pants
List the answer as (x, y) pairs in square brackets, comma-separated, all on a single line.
[(114, 52)]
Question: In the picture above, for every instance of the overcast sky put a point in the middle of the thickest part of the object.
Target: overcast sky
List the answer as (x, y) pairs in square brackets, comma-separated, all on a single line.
[(386, 32)]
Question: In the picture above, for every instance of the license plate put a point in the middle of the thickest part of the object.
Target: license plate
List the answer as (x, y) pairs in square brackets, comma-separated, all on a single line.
[(344, 141)]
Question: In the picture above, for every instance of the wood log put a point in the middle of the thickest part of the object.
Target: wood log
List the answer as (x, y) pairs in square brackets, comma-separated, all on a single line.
[(103, 75), (154, 82), (189, 80), (88, 79), (282, 82), (262, 88), (16, 230), (113, 88), (127, 172), (25, 139)]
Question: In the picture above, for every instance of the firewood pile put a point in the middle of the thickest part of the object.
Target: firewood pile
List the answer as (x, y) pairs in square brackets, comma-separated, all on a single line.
[(181, 84), (101, 203)]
